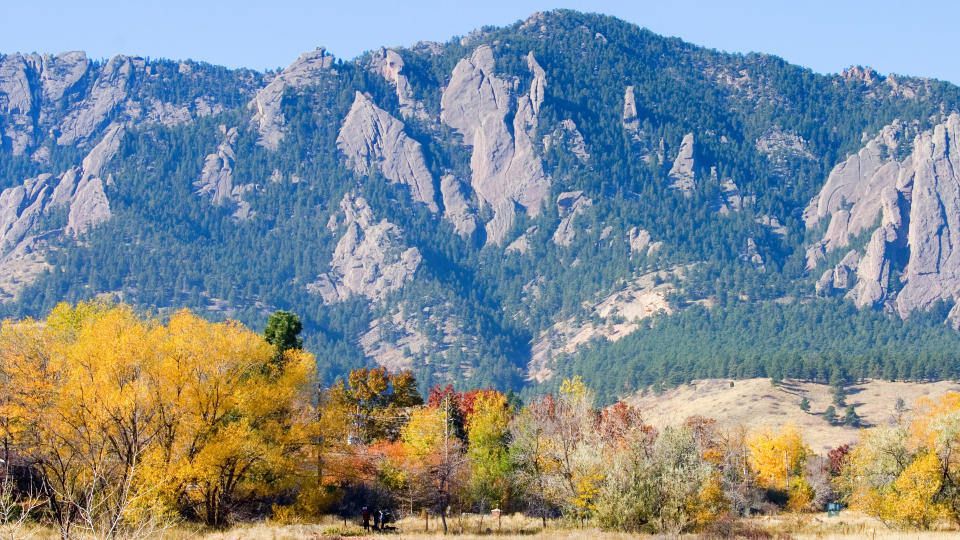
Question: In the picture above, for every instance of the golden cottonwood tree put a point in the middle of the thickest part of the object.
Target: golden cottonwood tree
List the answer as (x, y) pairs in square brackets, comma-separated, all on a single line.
[(127, 418), (488, 431), (776, 456)]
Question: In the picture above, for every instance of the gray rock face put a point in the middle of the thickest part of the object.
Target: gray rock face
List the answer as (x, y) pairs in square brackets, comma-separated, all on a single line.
[(47, 206), (856, 184), (838, 278), (506, 172), (456, 209), (917, 201), (631, 125), (389, 64), (630, 109), (639, 240), (369, 259), (780, 146), (16, 102), (370, 137), (681, 174), (933, 186), (109, 91), (216, 178), (267, 117), (68, 98), (56, 74), (731, 198), (522, 243), (569, 205), (570, 138)]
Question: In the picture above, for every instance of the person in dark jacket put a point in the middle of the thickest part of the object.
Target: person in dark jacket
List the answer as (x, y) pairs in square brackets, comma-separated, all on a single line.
[(365, 514)]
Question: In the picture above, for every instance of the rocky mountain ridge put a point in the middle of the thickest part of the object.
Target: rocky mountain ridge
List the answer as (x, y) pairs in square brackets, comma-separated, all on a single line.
[(482, 209)]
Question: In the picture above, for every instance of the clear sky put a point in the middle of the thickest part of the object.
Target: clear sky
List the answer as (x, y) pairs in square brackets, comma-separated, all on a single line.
[(913, 38)]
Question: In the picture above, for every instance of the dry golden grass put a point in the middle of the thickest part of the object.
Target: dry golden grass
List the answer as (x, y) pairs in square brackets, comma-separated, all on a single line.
[(848, 526), (755, 402)]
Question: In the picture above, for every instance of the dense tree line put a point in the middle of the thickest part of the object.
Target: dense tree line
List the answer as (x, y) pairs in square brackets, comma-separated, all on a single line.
[(114, 424), (824, 341)]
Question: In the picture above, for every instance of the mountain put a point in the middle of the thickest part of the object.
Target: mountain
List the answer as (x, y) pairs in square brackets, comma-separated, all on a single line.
[(571, 194)]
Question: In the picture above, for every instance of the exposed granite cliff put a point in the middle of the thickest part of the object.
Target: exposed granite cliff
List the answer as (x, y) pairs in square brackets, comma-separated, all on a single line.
[(506, 172), (910, 207), (370, 259), (49, 205), (267, 117), (370, 137)]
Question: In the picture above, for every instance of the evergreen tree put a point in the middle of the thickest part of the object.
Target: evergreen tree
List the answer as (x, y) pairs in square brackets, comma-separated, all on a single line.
[(851, 418), (830, 415), (283, 331)]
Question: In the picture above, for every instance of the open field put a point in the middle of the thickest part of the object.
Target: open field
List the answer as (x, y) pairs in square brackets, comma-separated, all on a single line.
[(849, 525), (756, 402)]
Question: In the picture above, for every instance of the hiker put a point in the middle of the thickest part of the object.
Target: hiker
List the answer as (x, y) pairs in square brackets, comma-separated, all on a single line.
[(365, 514), (380, 520)]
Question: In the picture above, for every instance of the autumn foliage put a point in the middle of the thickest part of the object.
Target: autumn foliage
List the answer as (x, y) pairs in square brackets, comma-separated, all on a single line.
[(122, 423)]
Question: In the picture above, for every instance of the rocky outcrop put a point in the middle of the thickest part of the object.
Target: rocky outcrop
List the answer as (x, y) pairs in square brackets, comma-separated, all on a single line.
[(216, 178), (781, 146), (731, 199), (506, 172), (268, 118), (851, 196), (108, 93), (521, 244), (630, 121), (910, 207), (839, 277), (22, 101), (569, 205), (389, 64), (71, 100), (570, 139), (370, 259), (931, 184), (48, 205), (399, 339), (681, 173), (16, 103), (370, 137), (456, 208), (612, 317), (639, 140)]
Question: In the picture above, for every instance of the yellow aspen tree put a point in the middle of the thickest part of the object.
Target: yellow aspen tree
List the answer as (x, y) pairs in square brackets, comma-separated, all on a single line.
[(775, 456)]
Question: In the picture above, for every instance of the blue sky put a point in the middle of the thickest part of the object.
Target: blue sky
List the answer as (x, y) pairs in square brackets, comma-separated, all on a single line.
[(914, 38)]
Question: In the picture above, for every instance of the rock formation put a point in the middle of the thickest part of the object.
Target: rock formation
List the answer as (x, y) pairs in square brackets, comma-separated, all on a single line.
[(49, 205), (570, 138), (389, 64), (72, 100), (369, 260), (505, 170), (569, 205), (917, 203), (268, 118), (108, 92), (782, 146), (521, 244), (216, 178), (370, 137), (456, 208), (856, 183), (681, 174), (22, 104)]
